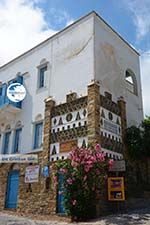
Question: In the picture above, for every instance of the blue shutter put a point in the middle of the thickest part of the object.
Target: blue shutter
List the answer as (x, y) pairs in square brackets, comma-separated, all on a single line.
[(6, 142), (42, 76), (20, 79), (17, 140), (3, 94), (38, 135), (35, 137), (41, 81)]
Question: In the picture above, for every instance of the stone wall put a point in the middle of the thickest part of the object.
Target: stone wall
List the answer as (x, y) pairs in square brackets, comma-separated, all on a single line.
[(76, 120)]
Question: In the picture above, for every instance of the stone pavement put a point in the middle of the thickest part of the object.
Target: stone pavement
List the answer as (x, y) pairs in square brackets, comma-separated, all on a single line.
[(139, 217)]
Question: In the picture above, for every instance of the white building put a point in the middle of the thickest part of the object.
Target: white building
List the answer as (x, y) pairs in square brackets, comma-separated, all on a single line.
[(89, 49)]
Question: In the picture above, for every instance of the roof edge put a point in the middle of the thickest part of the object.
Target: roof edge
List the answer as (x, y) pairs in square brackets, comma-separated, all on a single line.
[(64, 29), (48, 39)]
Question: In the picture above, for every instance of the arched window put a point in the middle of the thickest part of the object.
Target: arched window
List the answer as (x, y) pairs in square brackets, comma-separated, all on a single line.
[(131, 82)]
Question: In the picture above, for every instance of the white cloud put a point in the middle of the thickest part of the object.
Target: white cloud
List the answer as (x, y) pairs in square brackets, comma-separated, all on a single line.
[(145, 71), (140, 10), (22, 26)]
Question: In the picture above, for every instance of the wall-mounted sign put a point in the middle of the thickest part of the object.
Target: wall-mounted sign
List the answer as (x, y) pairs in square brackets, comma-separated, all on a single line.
[(45, 171), (18, 158), (118, 166), (111, 127), (16, 92), (116, 189), (32, 174), (67, 146)]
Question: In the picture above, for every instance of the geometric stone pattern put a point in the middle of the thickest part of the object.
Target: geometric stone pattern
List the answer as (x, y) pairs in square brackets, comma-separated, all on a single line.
[(55, 151), (68, 107), (109, 105), (68, 122), (69, 134), (110, 125), (79, 120)]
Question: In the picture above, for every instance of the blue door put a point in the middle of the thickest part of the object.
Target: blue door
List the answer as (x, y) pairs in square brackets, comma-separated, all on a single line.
[(12, 190), (60, 195)]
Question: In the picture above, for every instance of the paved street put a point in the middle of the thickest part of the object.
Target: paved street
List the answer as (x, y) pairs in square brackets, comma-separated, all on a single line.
[(139, 217)]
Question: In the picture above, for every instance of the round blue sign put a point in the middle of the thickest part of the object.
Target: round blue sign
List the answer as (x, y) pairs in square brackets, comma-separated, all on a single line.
[(16, 92)]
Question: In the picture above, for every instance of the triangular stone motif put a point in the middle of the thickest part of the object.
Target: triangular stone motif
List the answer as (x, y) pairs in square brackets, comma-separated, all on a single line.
[(102, 114), (78, 116), (118, 121), (60, 121), (55, 121), (54, 150), (83, 144)]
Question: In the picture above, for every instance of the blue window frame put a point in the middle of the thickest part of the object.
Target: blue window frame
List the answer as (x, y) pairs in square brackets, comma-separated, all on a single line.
[(6, 142), (17, 140), (3, 93), (38, 131), (41, 80)]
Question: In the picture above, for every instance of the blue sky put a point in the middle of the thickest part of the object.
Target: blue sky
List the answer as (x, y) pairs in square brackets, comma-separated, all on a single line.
[(36, 20), (118, 14)]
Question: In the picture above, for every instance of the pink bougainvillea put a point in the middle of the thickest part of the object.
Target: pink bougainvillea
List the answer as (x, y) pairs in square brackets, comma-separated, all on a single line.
[(84, 173), (110, 163)]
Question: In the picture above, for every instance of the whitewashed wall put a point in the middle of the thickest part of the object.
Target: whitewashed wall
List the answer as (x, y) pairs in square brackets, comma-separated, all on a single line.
[(86, 50), (70, 57), (112, 58)]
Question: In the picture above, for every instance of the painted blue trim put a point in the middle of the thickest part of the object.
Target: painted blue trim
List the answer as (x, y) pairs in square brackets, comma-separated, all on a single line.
[(12, 190), (3, 97), (17, 139), (38, 131), (6, 142), (60, 195), (41, 81)]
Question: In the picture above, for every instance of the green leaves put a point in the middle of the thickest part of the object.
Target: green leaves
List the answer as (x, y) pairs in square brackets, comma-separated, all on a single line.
[(137, 140), (84, 175)]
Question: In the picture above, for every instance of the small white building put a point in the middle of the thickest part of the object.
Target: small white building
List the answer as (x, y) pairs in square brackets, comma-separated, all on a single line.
[(89, 49)]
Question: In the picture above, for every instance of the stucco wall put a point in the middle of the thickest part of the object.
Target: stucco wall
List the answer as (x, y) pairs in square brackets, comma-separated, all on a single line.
[(70, 68), (87, 50), (112, 58)]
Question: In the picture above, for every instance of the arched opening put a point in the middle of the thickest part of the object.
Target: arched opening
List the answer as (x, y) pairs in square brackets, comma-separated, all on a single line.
[(131, 82)]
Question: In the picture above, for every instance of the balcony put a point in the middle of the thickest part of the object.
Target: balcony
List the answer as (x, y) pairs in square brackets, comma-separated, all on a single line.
[(7, 107)]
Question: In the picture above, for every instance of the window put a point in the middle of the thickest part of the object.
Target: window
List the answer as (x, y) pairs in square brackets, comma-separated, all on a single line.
[(38, 135), (17, 140), (6, 142), (131, 82), (0, 90), (41, 78)]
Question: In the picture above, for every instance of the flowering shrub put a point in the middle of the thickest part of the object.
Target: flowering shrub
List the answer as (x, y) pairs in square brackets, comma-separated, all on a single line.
[(84, 174)]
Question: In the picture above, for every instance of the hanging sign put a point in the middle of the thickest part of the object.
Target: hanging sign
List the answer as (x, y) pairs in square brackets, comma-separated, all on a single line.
[(16, 92), (116, 189), (32, 174), (118, 166)]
